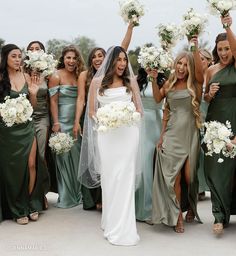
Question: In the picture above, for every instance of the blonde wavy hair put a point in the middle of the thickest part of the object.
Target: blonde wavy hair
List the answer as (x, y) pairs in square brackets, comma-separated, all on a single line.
[(191, 83)]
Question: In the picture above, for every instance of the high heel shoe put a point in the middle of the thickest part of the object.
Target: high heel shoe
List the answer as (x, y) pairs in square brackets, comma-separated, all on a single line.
[(190, 216), (22, 220), (34, 216), (179, 228)]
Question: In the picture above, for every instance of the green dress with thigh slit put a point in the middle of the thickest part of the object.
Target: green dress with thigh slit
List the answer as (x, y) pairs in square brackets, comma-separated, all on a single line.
[(180, 141), (15, 146)]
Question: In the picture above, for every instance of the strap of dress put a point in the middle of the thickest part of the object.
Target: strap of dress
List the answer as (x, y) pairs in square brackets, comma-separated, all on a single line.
[(54, 90)]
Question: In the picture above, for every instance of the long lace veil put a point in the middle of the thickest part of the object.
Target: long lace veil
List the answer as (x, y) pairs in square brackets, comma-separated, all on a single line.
[(89, 167)]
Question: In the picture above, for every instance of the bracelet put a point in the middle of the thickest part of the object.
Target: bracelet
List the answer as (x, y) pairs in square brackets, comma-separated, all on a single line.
[(56, 123)]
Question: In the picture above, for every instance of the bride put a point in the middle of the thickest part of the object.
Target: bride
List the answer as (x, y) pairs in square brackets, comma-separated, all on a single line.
[(111, 157)]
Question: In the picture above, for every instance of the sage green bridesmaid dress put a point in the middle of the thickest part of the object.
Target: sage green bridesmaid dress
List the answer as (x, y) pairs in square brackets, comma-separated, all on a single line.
[(153, 123), (66, 164), (41, 124), (16, 143), (221, 177), (181, 140)]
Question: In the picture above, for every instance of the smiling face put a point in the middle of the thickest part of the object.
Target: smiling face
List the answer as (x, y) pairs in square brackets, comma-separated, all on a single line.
[(97, 59), (182, 68), (121, 64), (205, 62), (14, 59), (70, 61), (224, 52)]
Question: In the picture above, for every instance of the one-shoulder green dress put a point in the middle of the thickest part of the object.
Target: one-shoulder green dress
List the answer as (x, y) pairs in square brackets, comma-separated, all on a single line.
[(181, 140), (15, 146), (66, 164), (221, 177)]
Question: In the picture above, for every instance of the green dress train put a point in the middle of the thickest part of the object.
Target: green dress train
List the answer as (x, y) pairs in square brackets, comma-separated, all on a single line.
[(41, 124), (66, 164), (221, 177), (16, 143), (180, 141), (152, 122)]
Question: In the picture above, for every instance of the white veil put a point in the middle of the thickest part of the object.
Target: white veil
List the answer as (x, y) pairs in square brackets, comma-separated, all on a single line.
[(89, 167)]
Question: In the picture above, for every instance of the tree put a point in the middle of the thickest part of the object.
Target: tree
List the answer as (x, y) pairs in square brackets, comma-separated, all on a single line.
[(84, 44), (2, 42)]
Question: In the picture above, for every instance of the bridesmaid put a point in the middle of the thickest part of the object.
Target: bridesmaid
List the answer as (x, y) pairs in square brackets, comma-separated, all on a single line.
[(152, 122), (206, 58), (175, 185), (41, 123), (17, 142), (221, 93), (63, 95), (92, 197)]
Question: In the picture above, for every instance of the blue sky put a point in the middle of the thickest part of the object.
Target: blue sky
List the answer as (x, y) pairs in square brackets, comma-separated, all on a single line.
[(26, 20)]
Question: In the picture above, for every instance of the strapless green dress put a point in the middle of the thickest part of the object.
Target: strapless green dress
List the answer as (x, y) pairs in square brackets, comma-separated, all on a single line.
[(221, 177), (181, 140), (152, 122), (41, 124), (16, 143), (69, 188)]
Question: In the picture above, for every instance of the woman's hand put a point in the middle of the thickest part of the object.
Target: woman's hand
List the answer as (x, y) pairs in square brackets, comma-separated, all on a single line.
[(214, 88), (56, 127), (77, 130), (153, 73), (226, 21), (159, 143), (34, 83)]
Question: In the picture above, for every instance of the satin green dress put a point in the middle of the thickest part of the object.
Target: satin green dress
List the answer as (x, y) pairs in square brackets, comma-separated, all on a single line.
[(41, 124), (221, 177), (180, 141), (152, 122), (16, 143), (66, 164)]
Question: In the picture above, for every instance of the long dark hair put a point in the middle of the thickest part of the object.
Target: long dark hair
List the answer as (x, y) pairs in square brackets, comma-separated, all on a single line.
[(142, 79), (36, 42), (80, 61), (91, 70), (5, 85), (220, 37), (110, 70)]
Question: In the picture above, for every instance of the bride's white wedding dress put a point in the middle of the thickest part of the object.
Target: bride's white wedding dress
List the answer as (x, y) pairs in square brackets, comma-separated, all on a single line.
[(118, 152)]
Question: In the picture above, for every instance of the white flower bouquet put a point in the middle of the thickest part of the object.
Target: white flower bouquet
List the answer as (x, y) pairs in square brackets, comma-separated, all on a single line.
[(41, 62), (217, 137), (193, 24), (168, 34), (221, 7), (115, 115), (60, 142), (155, 58), (131, 11), (16, 111)]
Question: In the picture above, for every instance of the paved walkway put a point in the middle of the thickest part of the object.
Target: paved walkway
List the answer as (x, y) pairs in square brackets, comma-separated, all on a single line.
[(75, 232)]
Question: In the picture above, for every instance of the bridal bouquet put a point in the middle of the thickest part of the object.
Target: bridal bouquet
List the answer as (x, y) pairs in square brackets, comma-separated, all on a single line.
[(41, 62), (217, 137), (168, 34), (155, 58), (221, 7), (60, 142), (16, 111), (193, 24), (115, 115), (131, 10)]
